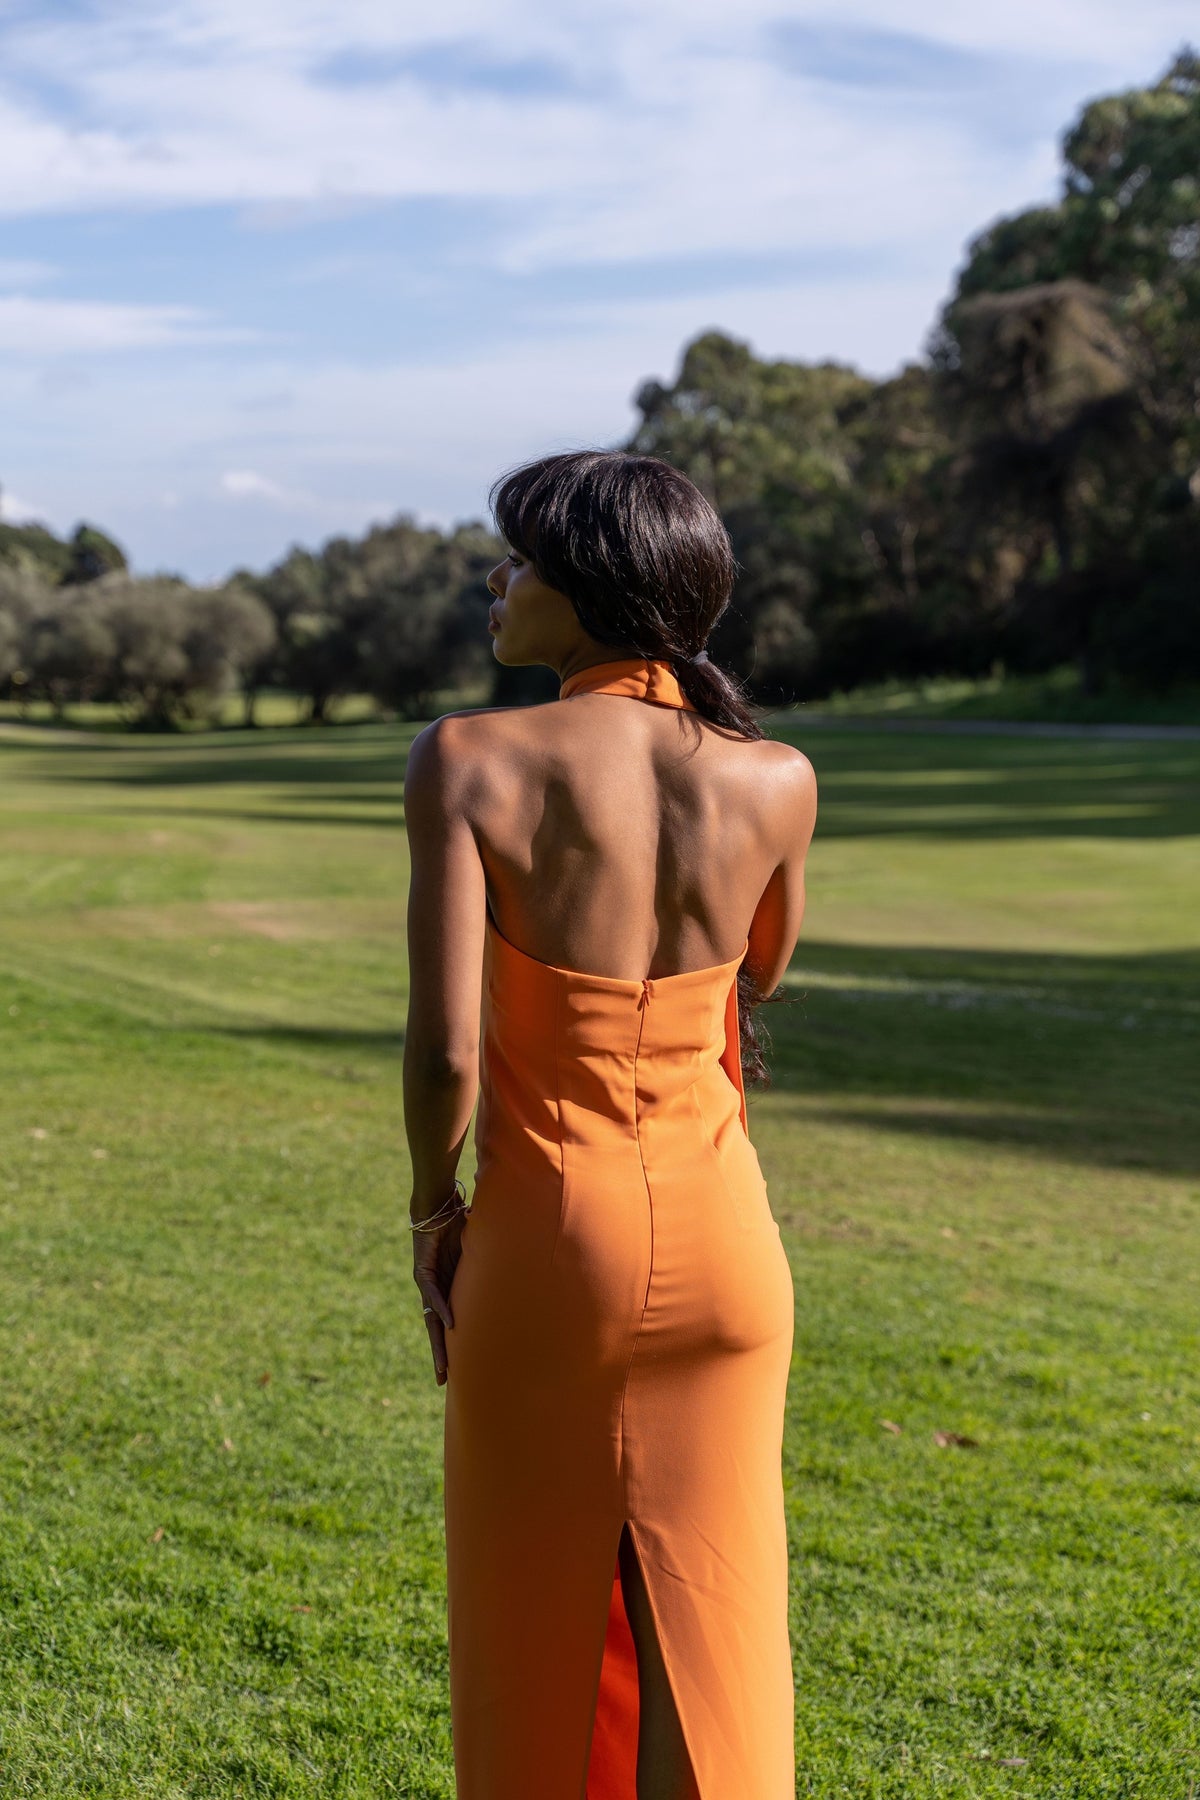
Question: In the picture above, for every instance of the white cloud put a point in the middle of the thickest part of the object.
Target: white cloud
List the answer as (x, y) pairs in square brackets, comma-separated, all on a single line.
[(350, 443), (673, 130), (248, 484), (15, 273), (62, 327), (15, 511)]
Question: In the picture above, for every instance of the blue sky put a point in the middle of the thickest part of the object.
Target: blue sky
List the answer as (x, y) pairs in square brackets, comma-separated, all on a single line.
[(274, 269)]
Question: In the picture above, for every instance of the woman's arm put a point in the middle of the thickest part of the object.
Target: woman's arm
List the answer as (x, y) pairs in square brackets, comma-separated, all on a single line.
[(780, 912), (447, 903)]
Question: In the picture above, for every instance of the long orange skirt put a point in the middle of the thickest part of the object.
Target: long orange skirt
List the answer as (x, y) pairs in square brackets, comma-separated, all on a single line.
[(623, 1314)]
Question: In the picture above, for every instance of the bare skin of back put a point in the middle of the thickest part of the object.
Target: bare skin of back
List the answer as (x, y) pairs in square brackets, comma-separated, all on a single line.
[(603, 834), (632, 840)]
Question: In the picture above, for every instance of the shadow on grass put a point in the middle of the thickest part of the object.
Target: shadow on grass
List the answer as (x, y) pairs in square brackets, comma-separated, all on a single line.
[(387, 813), (877, 785), (295, 762), (872, 785), (1089, 1059), (1084, 1060), (1084, 1136), (385, 1043), (1005, 972)]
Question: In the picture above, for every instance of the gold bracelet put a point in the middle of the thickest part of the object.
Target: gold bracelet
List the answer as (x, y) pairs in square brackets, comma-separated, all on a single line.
[(435, 1220)]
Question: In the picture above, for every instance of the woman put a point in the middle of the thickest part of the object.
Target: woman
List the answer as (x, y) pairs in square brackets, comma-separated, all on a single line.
[(612, 1317)]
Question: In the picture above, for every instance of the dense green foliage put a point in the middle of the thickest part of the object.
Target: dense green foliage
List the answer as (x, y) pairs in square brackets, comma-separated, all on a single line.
[(395, 614), (389, 615), (221, 1546), (34, 550), (1028, 496), (1031, 494)]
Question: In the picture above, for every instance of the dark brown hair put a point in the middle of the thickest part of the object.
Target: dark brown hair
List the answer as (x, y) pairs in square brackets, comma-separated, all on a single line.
[(647, 564), (641, 555)]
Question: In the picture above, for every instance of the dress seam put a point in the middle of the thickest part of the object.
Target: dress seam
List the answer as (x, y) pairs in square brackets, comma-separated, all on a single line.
[(558, 1122), (643, 1004)]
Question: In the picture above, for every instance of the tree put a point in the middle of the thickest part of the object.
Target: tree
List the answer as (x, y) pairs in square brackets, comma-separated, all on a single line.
[(397, 613), (318, 655), (738, 426), (767, 442), (34, 548), (228, 634), (87, 555), (1069, 364), (150, 670), (71, 648), (1047, 398), (94, 555), (425, 629), (23, 596), (1128, 222), (1149, 627), (826, 481)]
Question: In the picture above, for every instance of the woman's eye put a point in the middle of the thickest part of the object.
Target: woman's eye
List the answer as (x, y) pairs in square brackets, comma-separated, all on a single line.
[(516, 561)]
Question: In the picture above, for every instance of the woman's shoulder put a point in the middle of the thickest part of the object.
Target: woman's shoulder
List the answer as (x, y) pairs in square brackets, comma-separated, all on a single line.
[(792, 761), (786, 784), (464, 756), (468, 731), (443, 752), (785, 764)]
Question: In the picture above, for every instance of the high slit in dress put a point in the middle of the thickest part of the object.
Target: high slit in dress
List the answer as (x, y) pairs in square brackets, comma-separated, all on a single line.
[(623, 1316)]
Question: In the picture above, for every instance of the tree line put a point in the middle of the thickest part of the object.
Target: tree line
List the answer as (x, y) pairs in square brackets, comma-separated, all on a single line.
[(1030, 492), (397, 614), (1027, 493)]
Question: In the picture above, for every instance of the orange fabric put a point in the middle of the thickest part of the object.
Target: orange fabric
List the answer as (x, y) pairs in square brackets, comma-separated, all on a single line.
[(623, 1312), (637, 677), (612, 1766)]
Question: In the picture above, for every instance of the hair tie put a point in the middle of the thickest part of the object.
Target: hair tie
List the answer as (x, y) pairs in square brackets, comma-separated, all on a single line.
[(700, 656)]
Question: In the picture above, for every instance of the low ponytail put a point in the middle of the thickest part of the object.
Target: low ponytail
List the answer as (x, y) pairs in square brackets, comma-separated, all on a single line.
[(721, 698), (716, 695)]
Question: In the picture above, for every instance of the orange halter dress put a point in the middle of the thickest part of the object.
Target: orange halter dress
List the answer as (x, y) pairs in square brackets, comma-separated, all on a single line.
[(623, 1317)]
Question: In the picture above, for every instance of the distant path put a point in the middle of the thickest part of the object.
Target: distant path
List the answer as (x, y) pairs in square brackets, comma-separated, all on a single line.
[(994, 728)]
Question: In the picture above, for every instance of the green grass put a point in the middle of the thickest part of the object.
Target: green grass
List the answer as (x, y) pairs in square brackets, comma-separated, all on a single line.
[(1055, 698), (982, 1144), (273, 707)]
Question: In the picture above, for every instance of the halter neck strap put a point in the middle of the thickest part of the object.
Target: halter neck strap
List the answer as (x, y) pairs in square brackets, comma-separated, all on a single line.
[(638, 677)]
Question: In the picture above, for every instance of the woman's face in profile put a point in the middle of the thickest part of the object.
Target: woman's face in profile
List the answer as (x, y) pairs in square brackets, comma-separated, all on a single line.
[(529, 621)]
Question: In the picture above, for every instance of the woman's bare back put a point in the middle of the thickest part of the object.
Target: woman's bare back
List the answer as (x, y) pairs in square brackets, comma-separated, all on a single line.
[(631, 840)]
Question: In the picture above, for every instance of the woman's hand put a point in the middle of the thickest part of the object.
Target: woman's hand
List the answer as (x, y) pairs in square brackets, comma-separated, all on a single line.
[(435, 1258)]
